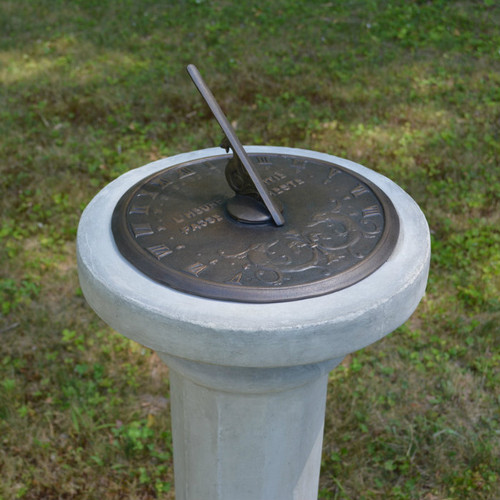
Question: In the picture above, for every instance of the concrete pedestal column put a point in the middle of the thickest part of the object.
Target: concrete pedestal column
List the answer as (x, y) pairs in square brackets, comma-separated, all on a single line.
[(249, 380), (263, 426)]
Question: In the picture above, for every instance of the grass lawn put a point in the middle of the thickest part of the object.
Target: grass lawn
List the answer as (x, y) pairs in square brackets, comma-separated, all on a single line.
[(92, 88)]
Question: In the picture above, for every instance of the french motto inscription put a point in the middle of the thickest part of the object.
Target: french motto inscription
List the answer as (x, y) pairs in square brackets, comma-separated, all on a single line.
[(174, 228)]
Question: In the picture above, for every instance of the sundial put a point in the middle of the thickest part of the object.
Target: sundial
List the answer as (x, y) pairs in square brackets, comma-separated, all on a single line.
[(251, 271), (259, 227)]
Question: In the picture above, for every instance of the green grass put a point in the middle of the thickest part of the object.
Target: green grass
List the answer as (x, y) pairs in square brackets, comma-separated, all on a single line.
[(90, 89)]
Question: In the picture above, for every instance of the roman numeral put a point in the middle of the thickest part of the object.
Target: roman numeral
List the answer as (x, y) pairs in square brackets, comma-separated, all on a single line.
[(371, 211), (331, 174), (138, 209), (262, 160), (298, 162), (236, 279), (143, 193), (162, 182), (359, 190), (196, 268), (160, 251), (185, 172), (142, 230)]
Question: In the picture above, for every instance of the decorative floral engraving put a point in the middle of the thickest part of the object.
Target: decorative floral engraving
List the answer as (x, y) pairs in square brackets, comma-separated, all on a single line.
[(328, 239)]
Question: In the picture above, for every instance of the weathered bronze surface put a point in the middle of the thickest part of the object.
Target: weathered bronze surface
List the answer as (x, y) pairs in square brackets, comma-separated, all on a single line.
[(174, 227)]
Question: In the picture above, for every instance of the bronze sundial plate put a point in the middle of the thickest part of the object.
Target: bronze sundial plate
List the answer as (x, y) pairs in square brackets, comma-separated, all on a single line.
[(173, 226)]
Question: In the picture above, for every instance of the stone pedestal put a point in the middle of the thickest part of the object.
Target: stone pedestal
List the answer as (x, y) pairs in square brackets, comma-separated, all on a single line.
[(247, 433), (249, 381)]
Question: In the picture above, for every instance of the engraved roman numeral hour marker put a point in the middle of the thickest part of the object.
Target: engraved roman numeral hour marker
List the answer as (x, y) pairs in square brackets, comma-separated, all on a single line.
[(196, 268), (263, 160), (371, 211), (236, 279), (138, 209), (185, 172), (162, 182), (160, 251), (359, 190), (331, 174), (142, 230)]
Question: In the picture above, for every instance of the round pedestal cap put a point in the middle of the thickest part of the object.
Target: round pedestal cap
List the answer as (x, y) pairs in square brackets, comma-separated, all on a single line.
[(229, 333)]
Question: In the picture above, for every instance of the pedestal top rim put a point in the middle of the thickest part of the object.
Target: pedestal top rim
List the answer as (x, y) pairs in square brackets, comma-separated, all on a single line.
[(214, 331)]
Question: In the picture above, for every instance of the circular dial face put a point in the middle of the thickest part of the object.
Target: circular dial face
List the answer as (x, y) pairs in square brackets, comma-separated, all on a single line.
[(339, 228)]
